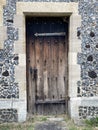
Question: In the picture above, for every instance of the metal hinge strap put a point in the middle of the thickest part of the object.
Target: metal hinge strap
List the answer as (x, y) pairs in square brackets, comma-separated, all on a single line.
[(50, 34)]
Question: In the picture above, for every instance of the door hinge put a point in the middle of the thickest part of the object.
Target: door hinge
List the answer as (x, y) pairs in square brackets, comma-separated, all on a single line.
[(50, 34)]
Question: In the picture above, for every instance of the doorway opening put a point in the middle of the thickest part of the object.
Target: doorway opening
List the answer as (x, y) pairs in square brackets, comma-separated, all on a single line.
[(47, 65)]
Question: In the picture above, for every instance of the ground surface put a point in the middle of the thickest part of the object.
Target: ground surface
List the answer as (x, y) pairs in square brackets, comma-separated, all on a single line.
[(46, 123)]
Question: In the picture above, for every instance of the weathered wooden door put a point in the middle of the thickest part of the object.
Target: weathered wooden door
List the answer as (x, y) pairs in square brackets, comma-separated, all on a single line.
[(47, 65)]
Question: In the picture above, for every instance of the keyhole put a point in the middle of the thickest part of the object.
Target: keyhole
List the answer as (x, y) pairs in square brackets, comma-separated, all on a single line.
[(45, 62), (61, 60)]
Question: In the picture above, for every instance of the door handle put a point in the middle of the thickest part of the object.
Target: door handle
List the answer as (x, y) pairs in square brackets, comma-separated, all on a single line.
[(33, 72)]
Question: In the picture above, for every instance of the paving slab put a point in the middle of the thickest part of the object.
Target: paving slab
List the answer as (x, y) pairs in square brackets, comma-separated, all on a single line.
[(51, 125)]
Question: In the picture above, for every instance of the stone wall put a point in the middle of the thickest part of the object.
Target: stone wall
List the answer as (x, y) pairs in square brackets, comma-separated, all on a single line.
[(8, 115), (88, 112), (88, 58)]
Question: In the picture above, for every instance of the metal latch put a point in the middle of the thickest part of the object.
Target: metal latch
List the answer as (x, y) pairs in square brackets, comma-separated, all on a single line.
[(67, 98), (33, 72)]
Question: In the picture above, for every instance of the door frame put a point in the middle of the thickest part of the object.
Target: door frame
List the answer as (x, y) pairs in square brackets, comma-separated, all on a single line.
[(48, 9), (30, 96)]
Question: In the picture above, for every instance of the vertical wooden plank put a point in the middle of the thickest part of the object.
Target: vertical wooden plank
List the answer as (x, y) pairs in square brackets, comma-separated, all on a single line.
[(41, 66), (61, 68), (38, 67), (31, 80), (66, 73), (49, 67), (45, 70), (52, 70), (45, 84), (56, 67)]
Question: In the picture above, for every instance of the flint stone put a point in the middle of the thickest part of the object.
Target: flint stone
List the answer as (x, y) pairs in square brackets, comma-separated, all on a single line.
[(6, 73)]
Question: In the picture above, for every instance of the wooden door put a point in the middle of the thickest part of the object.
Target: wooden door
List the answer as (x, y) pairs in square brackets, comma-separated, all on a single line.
[(47, 65)]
